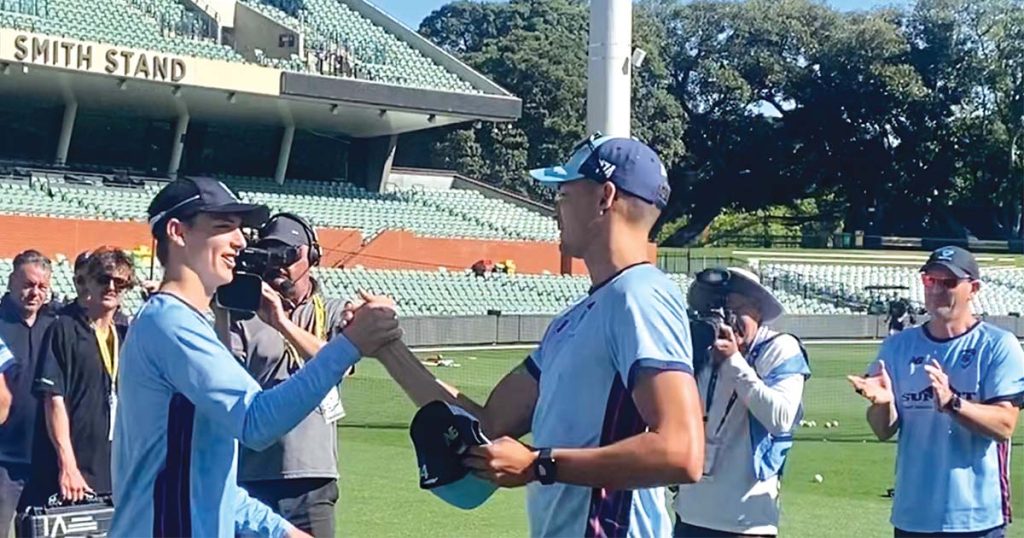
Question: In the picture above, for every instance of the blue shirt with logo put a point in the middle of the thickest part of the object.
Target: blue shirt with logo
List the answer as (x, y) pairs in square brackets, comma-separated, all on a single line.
[(586, 367), (949, 479), (184, 403)]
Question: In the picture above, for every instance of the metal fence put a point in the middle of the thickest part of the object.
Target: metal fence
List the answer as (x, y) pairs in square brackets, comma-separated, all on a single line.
[(486, 330)]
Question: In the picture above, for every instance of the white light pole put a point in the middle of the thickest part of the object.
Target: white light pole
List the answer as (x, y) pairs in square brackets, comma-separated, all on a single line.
[(609, 68)]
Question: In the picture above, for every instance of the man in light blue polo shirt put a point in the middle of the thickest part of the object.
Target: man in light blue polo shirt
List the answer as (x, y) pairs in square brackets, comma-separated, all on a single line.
[(609, 393), (953, 389), (184, 402)]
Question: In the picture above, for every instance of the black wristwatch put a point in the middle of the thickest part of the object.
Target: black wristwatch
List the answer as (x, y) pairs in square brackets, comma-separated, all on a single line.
[(545, 468), (954, 404)]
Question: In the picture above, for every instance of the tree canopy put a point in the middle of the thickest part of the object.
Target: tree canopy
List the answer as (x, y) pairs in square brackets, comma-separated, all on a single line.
[(893, 121)]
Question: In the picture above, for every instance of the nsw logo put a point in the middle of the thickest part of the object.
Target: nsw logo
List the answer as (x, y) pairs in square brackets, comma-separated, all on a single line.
[(967, 357)]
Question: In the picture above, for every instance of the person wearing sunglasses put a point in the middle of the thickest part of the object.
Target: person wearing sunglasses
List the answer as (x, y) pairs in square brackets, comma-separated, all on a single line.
[(76, 381), (952, 388)]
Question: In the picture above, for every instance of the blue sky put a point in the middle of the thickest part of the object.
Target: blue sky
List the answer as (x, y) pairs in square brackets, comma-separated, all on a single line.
[(411, 12)]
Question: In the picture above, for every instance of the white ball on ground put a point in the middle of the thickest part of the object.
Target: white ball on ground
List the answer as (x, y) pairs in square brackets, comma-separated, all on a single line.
[(818, 478)]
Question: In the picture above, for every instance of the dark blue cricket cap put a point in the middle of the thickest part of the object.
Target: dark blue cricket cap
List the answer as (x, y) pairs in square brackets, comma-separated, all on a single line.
[(442, 434), (190, 196), (628, 163), (958, 260)]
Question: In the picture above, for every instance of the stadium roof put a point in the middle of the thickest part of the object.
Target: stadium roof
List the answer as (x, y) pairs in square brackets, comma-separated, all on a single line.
[(59, 66)]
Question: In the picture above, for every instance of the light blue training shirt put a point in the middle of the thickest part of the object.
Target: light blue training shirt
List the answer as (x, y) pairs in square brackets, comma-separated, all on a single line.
[(184, 403), (586, 366), (948, 478)]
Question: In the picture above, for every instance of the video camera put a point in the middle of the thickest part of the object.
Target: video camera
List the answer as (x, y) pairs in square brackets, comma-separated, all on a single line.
[(253, 266), (708, 312)]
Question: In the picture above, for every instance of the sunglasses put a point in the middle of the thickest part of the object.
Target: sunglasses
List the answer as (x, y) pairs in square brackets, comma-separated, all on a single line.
[(120, 283), (948, 283)]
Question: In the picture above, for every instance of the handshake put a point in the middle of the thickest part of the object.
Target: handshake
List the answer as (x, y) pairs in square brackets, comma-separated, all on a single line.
[(371, 322)]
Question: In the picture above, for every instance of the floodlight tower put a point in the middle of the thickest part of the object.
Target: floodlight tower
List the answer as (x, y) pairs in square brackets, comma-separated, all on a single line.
[(610, 67)]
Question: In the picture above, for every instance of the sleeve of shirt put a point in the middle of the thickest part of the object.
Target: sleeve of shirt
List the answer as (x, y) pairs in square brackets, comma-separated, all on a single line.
[(6, 357), (255, 517), (200, 367), (773, 393), (1003, 378), (649, 329), (51, 373)]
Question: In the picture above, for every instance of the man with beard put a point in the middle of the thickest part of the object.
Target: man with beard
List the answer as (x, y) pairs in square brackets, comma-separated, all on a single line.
[(952, 388), (297, 476)]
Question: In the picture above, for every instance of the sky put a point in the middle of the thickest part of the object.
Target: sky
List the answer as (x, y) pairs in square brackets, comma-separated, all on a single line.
[(411, 12)]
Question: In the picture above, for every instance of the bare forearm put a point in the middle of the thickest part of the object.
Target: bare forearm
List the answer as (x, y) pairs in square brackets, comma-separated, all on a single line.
[(305, 342), (59, 428), (649, 459), (883, 420), (419, 383), (994, 421)]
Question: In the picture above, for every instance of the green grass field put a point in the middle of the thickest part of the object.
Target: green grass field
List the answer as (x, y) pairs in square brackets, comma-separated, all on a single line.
[(380, 495)]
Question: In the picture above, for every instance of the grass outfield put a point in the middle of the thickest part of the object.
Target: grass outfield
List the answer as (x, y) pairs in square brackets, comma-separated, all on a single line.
[(380, 495)]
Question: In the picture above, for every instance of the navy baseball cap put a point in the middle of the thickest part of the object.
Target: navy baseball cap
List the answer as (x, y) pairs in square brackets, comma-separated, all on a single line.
[(442, 434), (628, 163), (958, 260), (187, 197), (285, 229)]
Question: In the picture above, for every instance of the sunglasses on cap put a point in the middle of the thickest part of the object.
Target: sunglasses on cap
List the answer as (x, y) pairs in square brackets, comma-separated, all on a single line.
[(930, 281), (120, 283)]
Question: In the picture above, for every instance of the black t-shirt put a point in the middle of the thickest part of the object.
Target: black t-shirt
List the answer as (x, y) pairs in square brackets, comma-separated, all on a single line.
[(71, 366), (16, 435)]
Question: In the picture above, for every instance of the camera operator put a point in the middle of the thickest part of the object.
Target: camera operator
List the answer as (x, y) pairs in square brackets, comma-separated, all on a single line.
[(297, 476), (751, 388)]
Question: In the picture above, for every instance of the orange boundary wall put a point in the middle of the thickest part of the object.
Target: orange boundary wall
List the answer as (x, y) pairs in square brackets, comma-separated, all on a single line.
[(390, 250)]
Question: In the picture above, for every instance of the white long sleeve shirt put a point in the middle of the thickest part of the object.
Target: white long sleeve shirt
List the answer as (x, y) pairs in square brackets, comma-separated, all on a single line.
[(729, 497)]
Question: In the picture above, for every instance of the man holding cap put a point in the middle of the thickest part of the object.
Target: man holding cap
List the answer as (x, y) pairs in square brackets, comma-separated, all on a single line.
[(609, 393), (752, 388), (297, 476), (184, 401), (952, 388)]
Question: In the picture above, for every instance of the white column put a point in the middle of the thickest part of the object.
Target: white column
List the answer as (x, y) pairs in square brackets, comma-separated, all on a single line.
[(609, 68), (178, 145), (284, 154), (67, 126)]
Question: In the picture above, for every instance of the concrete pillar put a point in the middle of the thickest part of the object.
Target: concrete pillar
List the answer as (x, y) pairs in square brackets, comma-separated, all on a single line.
[(67, 126), (178, 145), (284, 154)]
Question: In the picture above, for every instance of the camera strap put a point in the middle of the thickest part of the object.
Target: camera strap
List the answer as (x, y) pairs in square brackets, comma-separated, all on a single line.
[(709, 399)]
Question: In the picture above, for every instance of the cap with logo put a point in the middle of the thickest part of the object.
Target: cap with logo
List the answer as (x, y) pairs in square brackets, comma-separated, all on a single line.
[(188, 197), (442, 434), (959, 261), (628, 163), (287, 230)]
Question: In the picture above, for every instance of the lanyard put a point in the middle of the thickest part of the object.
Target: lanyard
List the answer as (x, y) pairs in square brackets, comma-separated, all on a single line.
[(292, 355), (109, 353)]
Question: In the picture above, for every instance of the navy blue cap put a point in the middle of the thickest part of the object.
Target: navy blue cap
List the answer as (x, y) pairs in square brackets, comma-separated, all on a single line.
[(442, 434), (628, 163), (958, 260), (187, 197)]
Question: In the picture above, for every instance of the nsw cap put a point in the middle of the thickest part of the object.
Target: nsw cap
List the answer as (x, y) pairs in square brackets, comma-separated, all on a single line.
[(958, 260), (441, 434), (187, 197), (628, 163)]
